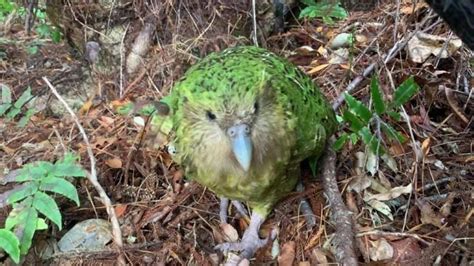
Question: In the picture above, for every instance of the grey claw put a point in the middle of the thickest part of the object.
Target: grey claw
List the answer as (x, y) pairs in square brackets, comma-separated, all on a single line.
[(240, 208)]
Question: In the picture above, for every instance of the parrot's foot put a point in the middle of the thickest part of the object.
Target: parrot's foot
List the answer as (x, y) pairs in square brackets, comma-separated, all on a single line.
[(251, 241), (240, 208), (225, 204)]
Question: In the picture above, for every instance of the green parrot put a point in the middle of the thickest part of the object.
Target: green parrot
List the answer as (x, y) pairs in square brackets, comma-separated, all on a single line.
[(242, 120)]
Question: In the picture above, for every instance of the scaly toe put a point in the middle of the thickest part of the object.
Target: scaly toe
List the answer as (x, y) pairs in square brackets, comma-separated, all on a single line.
[(228, 246)]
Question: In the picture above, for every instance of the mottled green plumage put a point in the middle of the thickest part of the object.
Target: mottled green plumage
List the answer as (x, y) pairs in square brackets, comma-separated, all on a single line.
[(289, 119)]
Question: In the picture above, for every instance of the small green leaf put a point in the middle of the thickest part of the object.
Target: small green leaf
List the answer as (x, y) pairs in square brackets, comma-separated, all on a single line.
[(24, 120), (377, 98), (34, 171), (355, 123), (404, 92), (27, 190), (68, 168), (18, 214), (48, 207), (341, 141), (358, 108), (25, 97), (323, 10), (4, 108), (354, 138), (32, 49), (56, 35), (396, 116), (43, 30), (13, 112), (27, 230), (10, 243), (370, 140), (41, 224), (392, 133), (60, 186), (125, 109)]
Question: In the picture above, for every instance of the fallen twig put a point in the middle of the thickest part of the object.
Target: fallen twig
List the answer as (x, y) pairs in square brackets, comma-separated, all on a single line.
[(92, 177), (341, 215)]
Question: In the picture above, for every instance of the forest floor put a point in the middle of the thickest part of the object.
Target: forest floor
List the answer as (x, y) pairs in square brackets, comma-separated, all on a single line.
[(415, 210)]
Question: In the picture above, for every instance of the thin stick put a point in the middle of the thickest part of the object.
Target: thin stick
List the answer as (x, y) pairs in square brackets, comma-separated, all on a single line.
[(92, 176), (254, 17)]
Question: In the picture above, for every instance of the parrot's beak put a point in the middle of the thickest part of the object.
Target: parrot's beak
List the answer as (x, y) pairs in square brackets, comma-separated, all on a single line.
[(241, 144)]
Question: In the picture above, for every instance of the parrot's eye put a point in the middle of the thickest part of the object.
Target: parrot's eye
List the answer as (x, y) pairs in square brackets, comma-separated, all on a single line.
[(210, 115), (255, 107)]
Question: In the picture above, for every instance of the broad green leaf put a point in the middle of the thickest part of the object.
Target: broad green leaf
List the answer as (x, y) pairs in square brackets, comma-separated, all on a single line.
[(377, 98), (10, 243), (69, 166), (4, 108), (404, 92), (24, 120), (32, 49), (13, 112), (354, 138), (392, 133), (25, 96), (34, 171), (60, 186), (27, 230), (43, 30), (323, 10), (48, 207), (27, 190), (18, 214), (6, 6), (6, 94), (341, 141), (358, 108), (56, 35), (355, 123), (395, 115), (62, 169), (308, 12), (370, 140)]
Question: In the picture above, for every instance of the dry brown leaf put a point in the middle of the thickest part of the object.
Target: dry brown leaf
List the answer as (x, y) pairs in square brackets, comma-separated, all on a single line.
[(323, 51), (380, 250), (453, 104), (406, 249), (392, 194), (6, 149), (85, 107), (425, 146), (120, 209), (229, 232), (114, 163), (424, 45), (317, 68), (287, 255), (313, 241), (320, 256), (396, 149), (428, 215), (107, 120), (445, 210), (408, 8)]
